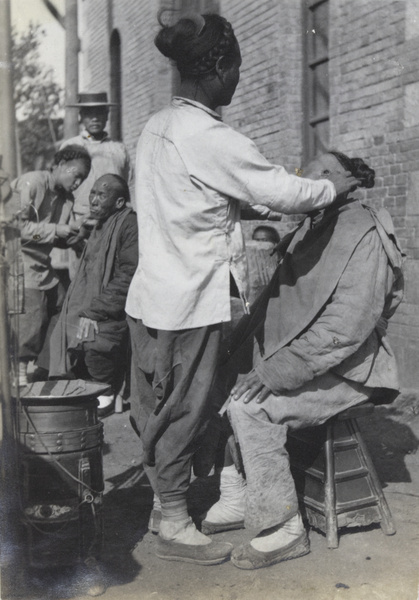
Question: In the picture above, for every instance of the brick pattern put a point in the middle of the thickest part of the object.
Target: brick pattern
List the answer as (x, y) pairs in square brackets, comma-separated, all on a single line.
[(373, 82), (374, 97)]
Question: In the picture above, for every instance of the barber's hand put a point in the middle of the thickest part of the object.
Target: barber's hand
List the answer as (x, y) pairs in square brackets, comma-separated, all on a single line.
[(343, 182), (64, 231), (250, 388), (84, 327)]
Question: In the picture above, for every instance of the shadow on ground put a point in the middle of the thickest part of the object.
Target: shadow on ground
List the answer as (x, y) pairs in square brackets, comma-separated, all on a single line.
[(389, 436)]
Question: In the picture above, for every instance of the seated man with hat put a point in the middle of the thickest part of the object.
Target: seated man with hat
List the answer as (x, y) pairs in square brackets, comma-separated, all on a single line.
[(108, 156)]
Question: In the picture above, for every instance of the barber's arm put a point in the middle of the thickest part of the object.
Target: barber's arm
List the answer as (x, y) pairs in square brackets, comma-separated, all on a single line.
[(238, 170), (258, 212), (345, 323)]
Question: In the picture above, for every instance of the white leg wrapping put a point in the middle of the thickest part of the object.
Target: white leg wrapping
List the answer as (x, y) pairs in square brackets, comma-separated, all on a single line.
[(286, 534), (230, 506)]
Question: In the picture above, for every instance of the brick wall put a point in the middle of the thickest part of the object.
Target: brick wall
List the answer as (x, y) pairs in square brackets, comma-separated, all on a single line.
[(374, 82), (374, 99), (146, 75)]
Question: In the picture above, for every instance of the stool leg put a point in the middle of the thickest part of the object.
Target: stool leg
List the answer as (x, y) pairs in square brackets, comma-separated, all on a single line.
[(387, 523), (330, 491)]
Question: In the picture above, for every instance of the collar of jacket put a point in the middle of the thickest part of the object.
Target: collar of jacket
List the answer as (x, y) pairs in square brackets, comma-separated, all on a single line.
[(86, 135), (180, 101)]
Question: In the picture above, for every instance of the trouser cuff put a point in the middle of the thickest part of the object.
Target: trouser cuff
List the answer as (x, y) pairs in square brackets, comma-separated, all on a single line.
[(174, 511)]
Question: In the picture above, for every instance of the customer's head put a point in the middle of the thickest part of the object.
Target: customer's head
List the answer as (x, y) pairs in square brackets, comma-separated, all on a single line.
[(109, 194), (265, 233), (337, 162), (204, 48), (70, 168)]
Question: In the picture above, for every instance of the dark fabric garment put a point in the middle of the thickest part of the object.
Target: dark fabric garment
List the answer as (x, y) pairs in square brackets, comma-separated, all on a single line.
[(170, 403), (109, 303), (39, 306), (338, 285), (98, 292), (328, 303), (105, 359), (310, 271)]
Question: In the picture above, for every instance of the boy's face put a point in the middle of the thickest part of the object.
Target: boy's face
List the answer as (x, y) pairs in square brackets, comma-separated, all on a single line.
[(94, 119)]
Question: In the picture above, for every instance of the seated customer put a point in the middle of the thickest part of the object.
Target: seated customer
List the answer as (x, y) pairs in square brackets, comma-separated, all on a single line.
[(91, 336), (321, 347)]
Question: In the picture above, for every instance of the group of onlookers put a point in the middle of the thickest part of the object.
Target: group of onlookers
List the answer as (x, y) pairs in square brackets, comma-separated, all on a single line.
[(82, 204)]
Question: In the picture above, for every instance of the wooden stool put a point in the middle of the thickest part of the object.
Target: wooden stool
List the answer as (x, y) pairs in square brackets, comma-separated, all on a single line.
[(335, 478)]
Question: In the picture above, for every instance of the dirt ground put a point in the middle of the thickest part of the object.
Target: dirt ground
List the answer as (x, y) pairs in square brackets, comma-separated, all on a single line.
[(367, 565)]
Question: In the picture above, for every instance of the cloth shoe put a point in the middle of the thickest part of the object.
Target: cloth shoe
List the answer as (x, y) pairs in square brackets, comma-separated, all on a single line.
[(208, 554), (183, 532), (247, 557), (181, 541), (106, 405), (282, 542), (280, 536), (228, 512)]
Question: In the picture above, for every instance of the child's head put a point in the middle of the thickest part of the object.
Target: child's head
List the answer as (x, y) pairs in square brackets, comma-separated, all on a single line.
[(265, 233)]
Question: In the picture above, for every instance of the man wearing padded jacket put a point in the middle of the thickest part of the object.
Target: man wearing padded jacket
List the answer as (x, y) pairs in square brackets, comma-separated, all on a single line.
[(320, 347)]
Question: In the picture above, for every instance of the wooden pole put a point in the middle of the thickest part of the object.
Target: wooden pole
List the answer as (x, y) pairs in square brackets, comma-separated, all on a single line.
[(12, 573), (10, 564), (11, 538), (7, 108), (72, 47)]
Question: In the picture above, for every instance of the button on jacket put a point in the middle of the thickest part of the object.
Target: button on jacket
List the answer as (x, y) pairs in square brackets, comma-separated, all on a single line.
[(192, 173)]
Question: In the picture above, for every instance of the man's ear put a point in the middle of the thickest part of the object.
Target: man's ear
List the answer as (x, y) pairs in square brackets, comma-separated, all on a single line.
[(220, 66), (120, 203)]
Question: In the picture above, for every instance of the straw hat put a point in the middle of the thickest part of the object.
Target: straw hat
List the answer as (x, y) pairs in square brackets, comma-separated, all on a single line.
[(89, 100)]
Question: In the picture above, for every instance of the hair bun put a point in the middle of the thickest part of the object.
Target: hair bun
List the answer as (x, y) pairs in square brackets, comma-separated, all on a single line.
[(196, 42), (361, 171), (171, 40)]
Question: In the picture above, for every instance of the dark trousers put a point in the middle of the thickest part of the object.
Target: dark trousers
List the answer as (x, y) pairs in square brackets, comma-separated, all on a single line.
[(170, 406), (105, 358), (39, 306)]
